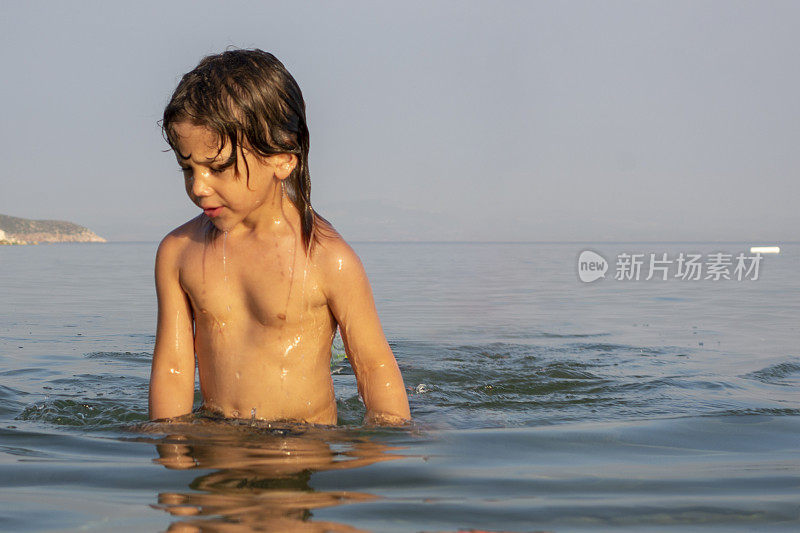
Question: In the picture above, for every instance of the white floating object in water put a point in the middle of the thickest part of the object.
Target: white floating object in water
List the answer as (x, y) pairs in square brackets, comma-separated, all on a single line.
[(765, 249)]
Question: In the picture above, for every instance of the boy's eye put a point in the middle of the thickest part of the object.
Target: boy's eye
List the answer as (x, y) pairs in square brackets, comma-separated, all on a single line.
[(219, 169), (213, 170)]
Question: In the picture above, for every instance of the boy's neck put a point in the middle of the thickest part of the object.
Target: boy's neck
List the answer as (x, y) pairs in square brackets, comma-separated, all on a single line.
[(276, 217)]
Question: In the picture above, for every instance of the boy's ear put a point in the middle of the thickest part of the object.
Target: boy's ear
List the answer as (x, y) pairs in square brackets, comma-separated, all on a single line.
[(284, 165)]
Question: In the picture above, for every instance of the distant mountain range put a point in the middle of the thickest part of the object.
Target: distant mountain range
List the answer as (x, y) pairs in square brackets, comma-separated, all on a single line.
[(15, 230)]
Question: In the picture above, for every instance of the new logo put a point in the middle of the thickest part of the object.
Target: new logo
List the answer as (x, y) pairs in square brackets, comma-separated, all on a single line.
[(591, 266)]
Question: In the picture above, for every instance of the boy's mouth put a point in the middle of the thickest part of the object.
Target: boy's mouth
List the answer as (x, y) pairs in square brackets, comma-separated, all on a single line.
[(212, 211)]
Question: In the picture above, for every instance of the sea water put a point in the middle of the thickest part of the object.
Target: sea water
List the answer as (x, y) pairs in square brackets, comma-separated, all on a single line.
[(541, 403)]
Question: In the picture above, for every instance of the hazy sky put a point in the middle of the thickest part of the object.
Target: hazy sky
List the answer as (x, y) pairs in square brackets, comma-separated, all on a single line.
[(434, 120)]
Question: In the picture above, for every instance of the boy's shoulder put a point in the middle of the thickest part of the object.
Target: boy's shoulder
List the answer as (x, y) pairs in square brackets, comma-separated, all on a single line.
[(330, 249), (336, 260), (177, 240)]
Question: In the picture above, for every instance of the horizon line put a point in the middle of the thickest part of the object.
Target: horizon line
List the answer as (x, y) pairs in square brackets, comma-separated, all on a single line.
[(638, 241)]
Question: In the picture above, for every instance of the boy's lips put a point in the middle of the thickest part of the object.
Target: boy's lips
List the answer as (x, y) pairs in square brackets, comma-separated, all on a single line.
[(212, 211)]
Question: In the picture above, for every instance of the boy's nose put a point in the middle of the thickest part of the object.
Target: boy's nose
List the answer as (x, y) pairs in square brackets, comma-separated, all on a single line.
[(200, 186)]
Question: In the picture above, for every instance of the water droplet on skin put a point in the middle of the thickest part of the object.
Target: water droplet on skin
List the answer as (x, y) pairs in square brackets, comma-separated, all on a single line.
[(340, 263), (387, 384), (173, 371), (224, 259), (303, 290), (284, 373), (292, 345), (237, 375)]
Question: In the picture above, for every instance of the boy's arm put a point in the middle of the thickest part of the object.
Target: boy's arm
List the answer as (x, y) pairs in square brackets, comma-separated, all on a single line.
[(350, 299), (172, 374)]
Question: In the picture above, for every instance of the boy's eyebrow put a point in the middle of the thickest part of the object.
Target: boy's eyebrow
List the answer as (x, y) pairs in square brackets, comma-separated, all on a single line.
[(208, 159)]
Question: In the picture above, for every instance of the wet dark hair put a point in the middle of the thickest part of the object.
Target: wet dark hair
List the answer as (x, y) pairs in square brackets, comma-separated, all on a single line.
[(248, 98)]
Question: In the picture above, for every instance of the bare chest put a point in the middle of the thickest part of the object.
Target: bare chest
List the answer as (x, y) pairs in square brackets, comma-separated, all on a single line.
[(265, 285)]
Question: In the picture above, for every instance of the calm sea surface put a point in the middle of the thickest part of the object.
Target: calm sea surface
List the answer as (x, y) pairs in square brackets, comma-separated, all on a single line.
[(541, 403)]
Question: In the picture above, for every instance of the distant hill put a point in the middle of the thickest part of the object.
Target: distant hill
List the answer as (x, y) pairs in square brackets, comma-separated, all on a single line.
[(23, 230)]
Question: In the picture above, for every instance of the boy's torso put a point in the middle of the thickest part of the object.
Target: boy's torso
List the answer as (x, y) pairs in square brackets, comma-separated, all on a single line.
[(263, 329)]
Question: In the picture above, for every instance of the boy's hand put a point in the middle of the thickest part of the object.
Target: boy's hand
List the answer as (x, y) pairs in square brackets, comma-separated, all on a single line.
[(382, 419), (350, 299)]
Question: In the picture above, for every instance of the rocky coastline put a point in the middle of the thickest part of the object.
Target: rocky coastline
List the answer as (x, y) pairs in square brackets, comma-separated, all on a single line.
[(16, 230)]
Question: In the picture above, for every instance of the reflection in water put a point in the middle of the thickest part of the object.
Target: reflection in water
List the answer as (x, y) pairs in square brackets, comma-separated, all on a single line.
[(256, 477)]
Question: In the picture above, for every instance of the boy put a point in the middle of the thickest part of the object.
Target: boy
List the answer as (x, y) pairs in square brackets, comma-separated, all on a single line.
[(257, 285)]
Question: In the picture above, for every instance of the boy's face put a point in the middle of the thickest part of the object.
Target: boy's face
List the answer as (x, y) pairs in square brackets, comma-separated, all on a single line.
[(225, 197)]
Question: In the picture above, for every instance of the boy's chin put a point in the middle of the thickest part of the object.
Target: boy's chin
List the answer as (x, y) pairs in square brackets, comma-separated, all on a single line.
[(220, 225)]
